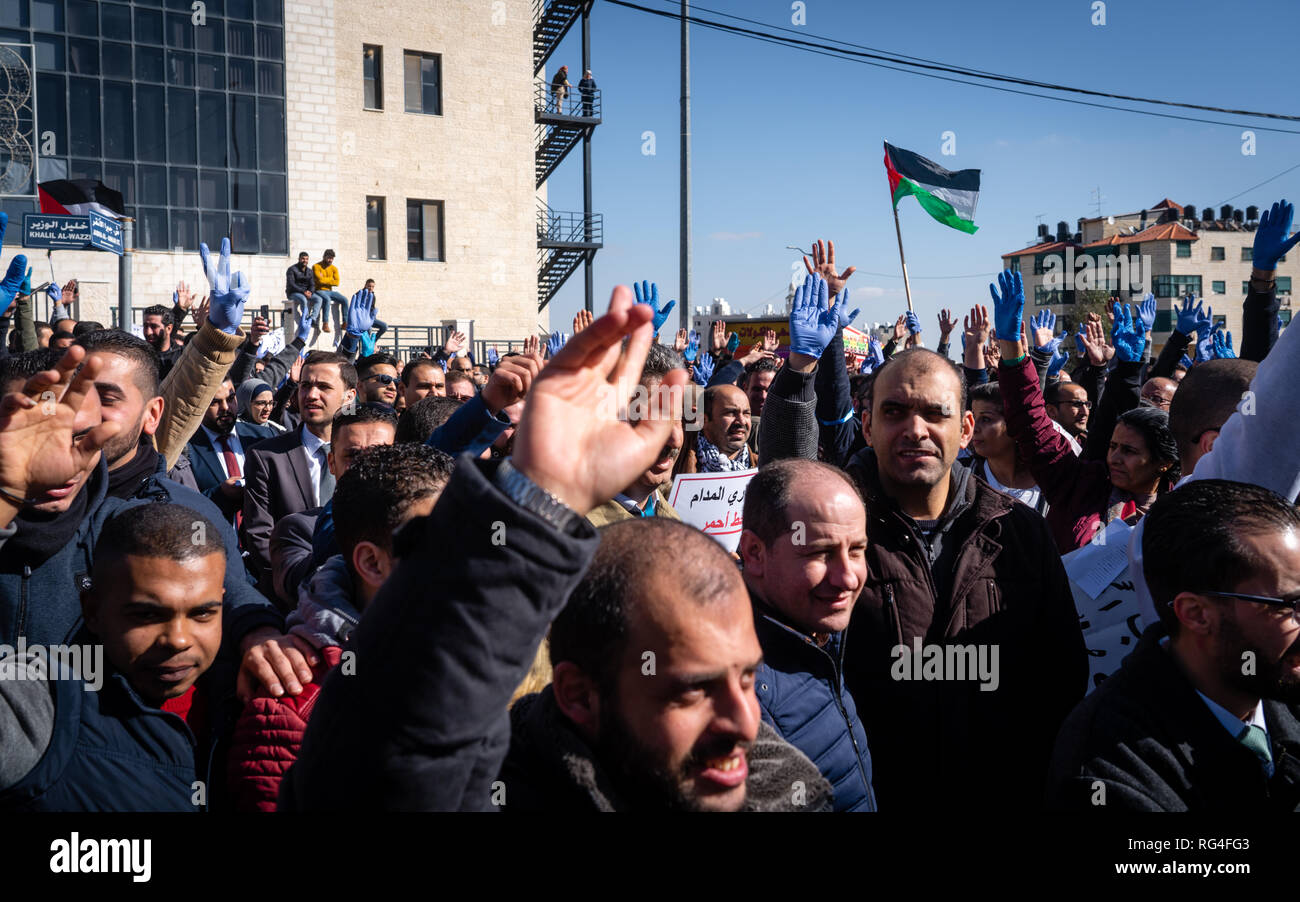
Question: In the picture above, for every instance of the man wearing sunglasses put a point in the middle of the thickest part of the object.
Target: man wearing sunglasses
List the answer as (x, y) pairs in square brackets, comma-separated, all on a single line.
[(377, 379), (1200, 716), (1067, 403)]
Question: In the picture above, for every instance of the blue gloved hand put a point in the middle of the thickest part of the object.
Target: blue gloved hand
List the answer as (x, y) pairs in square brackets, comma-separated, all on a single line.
[(55, 293), (876, 351), (554, 343), (1185, 361), (304, 327), (1060, 356), (1222, 349), (733, 343), (1128, 335), (1045, 320), (227, 294), (493, 357), (703, 371), (648, 293), (813, 324), (368, 342), (1188, 315), (842, 308), (14, 276), (26, 287), (1147, 311), (1271, 241), (692, 346), (361, 313), (1204, 342), (1009, 308), (913, 323)]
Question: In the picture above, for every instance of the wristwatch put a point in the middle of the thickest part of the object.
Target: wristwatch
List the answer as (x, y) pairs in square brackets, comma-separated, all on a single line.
[(532, 497)]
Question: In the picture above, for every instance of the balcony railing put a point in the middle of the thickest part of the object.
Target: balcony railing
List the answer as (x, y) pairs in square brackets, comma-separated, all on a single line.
[(559, 227), (577, 103)]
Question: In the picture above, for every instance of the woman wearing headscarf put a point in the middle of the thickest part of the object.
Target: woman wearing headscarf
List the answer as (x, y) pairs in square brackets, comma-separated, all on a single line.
[(255, 400)]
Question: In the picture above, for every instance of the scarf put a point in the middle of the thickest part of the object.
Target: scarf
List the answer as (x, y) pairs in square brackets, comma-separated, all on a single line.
[(244, 395), (711, 460), (1126, 506), (125, 481), (42, 535)]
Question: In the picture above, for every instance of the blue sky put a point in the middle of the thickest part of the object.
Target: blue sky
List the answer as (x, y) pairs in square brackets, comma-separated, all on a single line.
[(787, 144)]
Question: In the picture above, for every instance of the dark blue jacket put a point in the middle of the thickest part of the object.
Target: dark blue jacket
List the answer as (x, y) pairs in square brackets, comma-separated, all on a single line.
[(205, 461), (802, 695), (469, 430)]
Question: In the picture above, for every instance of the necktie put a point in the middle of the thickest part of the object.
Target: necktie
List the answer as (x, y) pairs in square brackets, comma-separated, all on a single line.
[(232, 471), (325, 485), (1255, 738)]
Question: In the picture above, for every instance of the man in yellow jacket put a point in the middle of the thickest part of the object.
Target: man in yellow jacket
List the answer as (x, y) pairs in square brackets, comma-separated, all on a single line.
[(327, 279)]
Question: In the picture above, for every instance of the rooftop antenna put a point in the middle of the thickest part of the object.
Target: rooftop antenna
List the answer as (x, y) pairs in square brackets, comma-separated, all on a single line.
[(1097, 198)]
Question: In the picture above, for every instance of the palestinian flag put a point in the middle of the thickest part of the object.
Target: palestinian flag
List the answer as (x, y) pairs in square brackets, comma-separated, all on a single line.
[(949, 197), (77, 197)]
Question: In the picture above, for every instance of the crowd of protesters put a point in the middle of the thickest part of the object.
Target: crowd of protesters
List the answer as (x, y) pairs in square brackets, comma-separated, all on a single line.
[(331, 579)]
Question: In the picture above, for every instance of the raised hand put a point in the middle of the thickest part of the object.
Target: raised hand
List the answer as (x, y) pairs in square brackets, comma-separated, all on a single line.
[(1044, 331), (295, 368), (703, 370), (182, 297), (494, 356), (900, 327), (1222, 349), (823, 264), (533, 345), (581, 320), (1188, 316), (648, 293), (201, 312), (769, 340), (1009, 305), (14, 276), (257, 331), (976, 327), (361, 313), (453, 342), (840, 304), (947, 322), (572, 441), (1128, 333), (1271, 241), (692, 347), (1147, 312), (679, 344), (813, 324), (913, 323), (1060, 356), (54, 292), (229, 293), (718, 340), (510, 381), (755, 354), (733, 343), (554, 343)]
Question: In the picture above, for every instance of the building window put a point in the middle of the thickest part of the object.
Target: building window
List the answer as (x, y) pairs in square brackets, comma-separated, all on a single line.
[(1247, 254), (1219, 287), (1184, 248), (372, 76), (374, 228), (422, 73), (1014, 265), (1176, 286), (1216, 253), (1044, 297), (424, 230), (1286, 317), (1283, 284), (1038, 264)]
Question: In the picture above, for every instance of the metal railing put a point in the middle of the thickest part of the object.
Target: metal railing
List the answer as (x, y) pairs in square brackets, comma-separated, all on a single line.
[(565, 227), (577, 102)]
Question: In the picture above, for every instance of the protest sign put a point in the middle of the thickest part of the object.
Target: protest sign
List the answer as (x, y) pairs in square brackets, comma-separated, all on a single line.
[(712, 503)]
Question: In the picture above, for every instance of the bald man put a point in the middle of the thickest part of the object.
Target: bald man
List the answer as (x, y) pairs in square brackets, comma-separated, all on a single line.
[(1159, 392), (721, 445)]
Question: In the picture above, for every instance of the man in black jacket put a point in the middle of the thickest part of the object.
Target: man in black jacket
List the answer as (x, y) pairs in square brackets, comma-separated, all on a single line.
[(298, 284), (1202, 716)]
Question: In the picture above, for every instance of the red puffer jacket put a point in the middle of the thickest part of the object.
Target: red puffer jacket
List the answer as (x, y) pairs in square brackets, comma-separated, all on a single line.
[(267, 738)]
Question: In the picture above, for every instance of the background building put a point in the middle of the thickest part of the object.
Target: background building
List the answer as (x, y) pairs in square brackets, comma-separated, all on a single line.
[(401, 134)]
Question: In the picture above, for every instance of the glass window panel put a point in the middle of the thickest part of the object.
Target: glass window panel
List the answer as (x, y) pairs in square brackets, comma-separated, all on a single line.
[(270, 11), (211, 37), (239, 9), (211, 72), (83, 18), (83, 57), (185, 188), (115, 21), (270, 43), (411, 80), (414, 227), (429, 84), (275, 235), (181, 128), (241, 75), (148, 2), (1219, 287), (153, 185), (185, 230), (243, 133), (15, 208), (151, 229), (52, 110), (272, 193), (83, 96), (52, 168), (374, 228), (270, 79), (14, 12), (13, 36), (243, 191), (121, 177), (239, 37), (243, 233), (180, 32), (213, 226), (148, 26), (177, 4), (180, 68), (119, 129), (432, 228), (270, 145), (47, 15), (117, 60), (86, 169), (213, 193), (372, 76), (1284, 284), (49, 53), (150, 124), (212, 129), (148, 64)]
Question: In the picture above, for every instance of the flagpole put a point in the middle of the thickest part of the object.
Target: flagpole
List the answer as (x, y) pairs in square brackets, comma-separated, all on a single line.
[(907, 288)]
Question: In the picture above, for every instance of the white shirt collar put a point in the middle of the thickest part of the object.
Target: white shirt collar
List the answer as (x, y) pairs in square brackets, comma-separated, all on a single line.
[(310, 441)]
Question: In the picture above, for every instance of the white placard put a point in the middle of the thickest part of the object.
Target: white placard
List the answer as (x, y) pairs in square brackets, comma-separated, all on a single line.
[(712, 503), (1106, 600)]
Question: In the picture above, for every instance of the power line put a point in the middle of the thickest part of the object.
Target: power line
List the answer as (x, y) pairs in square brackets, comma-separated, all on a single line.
[(1260, 185), (910, 68)]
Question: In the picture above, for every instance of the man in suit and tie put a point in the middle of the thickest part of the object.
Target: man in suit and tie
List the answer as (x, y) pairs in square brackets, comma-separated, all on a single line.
[(290, 473), (218, 452)]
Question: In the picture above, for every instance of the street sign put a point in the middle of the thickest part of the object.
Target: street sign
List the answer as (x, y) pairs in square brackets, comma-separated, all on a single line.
[(105, 233), (51, 231)]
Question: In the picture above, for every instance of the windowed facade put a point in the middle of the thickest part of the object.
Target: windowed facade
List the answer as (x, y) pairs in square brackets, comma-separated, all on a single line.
[(1247, 254), (1219, 287), (1176, 286), (1216, 253), (424, 230), (422, 75), (1183, 248), (372, 76), (186, 121), (375, 228), (1283, 284)]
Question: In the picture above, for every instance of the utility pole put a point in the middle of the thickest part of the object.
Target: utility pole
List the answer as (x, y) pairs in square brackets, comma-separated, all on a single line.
[(684, 305)]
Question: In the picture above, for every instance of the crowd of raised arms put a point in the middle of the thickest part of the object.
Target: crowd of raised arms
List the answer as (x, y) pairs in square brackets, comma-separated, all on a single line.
[(1057, 574)]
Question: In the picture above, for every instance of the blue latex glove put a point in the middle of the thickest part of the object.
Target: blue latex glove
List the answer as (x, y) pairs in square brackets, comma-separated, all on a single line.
[(493, 357), (1204, 321), (846, 316), (368, 342), (1222, 349), (1128, 335), (703, 371), (227, 294), (1204, 342), (1045, 319), (692, 346), (304, 327), (555, 342), (648, 293), (913, 324), (733, 343), (1188, 315), (813, 324), (1185, 361), (1271, 241), (1147, 311), (26, 287), (55, 293), (361, 313), (1078, 341), (14, 276), (874, 358), (1060, 356), (1009, 308)]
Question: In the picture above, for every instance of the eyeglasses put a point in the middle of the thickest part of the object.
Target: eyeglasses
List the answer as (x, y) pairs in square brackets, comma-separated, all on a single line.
[(383, 379), (1292, 604), (1085, 405)]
